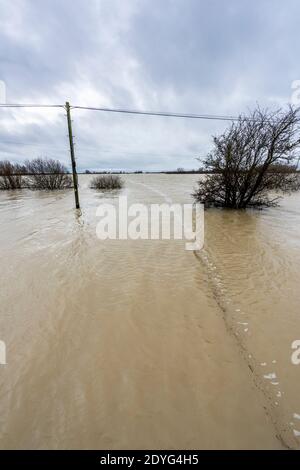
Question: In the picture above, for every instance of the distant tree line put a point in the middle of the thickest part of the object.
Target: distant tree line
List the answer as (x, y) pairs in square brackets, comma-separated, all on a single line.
[(185, 172), (113, 172), (146, 172)]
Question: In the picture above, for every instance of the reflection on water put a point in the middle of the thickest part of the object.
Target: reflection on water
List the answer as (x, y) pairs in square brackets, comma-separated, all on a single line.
[(141, 344)]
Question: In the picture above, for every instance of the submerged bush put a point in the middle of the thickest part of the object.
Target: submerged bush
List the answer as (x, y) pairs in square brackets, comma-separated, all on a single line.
[(47, 174), (11, 175), (253, 159), (106, 182)]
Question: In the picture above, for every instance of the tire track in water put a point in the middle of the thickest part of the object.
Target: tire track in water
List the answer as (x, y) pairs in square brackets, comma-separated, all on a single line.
[(225, 304), (156, 191)]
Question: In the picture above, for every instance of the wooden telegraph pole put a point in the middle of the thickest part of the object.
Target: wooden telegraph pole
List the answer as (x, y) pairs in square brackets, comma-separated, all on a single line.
[(75, 177)]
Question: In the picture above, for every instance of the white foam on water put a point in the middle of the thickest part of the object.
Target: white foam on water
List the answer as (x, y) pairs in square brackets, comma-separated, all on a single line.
[(296, 416), (270, 376)]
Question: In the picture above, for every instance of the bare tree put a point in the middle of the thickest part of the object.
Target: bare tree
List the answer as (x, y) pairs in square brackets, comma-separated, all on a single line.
[(47, 174), (255, 157), (11, 175), (106, 182)]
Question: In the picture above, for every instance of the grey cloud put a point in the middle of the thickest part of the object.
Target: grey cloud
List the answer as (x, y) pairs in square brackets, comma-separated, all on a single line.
[(184, 55)]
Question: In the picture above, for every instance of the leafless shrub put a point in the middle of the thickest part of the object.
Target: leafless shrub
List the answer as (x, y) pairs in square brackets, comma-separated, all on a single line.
[(107, 182), (11, 175), (254, 157), (47, 174)]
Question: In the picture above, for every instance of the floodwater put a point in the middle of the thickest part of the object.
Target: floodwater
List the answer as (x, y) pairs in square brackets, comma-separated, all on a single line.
[(128, 344)]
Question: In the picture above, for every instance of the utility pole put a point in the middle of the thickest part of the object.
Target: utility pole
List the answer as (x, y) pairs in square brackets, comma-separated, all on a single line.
[(75, 178)]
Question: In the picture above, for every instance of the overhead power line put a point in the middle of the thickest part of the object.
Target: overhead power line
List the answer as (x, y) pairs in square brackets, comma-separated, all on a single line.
[(128, 111), (32, 106), (160, 113), (212, 117)]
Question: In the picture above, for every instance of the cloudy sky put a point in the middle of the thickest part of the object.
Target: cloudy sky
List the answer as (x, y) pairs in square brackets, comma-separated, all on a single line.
[(190, 56)]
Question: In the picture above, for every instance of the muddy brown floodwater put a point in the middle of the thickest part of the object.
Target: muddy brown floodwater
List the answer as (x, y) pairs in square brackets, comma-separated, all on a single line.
[(140, 344)]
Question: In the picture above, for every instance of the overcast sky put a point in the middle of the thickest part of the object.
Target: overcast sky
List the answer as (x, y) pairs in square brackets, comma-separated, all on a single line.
[(190, 56)]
